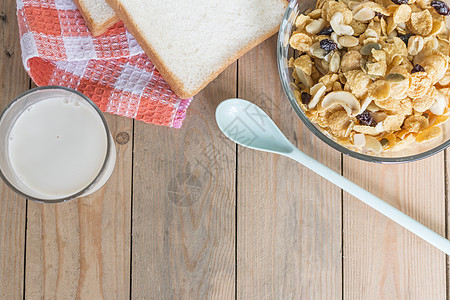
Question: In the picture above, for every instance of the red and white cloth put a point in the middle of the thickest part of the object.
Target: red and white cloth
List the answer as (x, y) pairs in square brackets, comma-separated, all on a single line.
[(111, 69)]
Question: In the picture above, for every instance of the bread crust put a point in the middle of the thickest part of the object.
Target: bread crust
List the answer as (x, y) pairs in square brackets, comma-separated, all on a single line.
[(172, 80), (95, 28)]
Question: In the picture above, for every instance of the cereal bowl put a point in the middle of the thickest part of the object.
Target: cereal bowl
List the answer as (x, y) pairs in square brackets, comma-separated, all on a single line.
[(436, 136)]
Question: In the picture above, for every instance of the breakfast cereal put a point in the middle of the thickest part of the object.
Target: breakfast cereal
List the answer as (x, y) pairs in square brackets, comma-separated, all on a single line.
[(374, 74)]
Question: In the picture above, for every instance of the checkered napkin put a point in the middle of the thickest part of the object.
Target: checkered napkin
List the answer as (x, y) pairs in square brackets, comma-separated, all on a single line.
[(111, 69)]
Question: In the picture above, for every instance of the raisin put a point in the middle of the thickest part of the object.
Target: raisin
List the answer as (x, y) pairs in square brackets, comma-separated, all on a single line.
[(417, 68), (326, 31), (380, 15), (405, 37), (328, 45), (400, 1), (306, 98), (440, 7), (365, 118)]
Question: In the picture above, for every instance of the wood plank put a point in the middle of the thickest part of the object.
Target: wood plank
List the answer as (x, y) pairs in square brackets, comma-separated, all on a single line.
[(81, 249), (383, 260), (447, 213), (14, 80), (184, 204), (289, 219)]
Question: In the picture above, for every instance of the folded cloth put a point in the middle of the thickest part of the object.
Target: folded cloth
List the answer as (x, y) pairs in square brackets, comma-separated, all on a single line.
[(111, 69)]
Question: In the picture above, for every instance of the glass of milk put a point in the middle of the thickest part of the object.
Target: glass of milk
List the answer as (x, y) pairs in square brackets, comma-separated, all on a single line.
[(55, 145)]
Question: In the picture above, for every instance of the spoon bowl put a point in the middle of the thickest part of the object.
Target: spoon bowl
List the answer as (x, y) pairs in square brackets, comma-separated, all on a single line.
[(248, 125)]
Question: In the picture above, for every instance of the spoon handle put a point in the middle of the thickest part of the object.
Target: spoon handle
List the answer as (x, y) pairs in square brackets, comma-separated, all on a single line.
[(376, 203)]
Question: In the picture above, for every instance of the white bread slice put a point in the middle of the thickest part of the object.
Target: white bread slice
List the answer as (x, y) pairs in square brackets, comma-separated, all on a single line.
[(98, 15), (191, 42)]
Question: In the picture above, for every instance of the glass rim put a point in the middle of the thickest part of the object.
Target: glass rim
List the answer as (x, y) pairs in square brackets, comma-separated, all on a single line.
[(290, 95), (108, 146)]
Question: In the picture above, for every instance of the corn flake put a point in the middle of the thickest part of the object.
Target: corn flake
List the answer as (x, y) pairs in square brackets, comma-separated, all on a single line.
[(435, 66), (428, 134), (398, 89), (366, 129), (379, 55), (423, 103), (438, 25), (376, 68), (403, 143), (358, 27), (301, 21), (328, 81), (423, 4), (335, 7), (419, 84), (301, 42), (315, 14), (337, 86), (440, 120), (402, 14), (304, 63), (446, 79), (379, 90), (351, 61), (400, 47), (393, 122), (415, 123), (421, 22), (338, 122), (396, 106), (357, 83)]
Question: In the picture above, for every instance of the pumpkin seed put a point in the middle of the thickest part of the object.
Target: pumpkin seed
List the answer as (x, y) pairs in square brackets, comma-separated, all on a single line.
[(363, 65), (384, 142), (395, 77), (367, 49)]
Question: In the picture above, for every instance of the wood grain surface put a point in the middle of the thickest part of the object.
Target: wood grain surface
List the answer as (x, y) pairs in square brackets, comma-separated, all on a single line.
[(13, 81), (184, 204), (381, 259), (289, 219), (188, 215), (81, 249)]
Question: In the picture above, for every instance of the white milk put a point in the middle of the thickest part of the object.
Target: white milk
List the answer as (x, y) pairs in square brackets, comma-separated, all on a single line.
[(58, 146)]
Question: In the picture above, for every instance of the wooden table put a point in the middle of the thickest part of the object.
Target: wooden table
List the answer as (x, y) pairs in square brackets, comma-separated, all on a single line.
[(189, 215)]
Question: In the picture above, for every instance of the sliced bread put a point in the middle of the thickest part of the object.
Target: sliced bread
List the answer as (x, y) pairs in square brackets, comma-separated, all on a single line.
[(98, 15), (191, 42)]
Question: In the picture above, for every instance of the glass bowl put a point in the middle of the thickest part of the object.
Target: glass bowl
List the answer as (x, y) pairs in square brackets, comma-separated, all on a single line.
[(414, 152)]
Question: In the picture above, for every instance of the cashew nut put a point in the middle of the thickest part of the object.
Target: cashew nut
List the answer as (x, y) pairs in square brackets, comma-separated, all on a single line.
[(439, 105), (315, 26), (337, 23), (343, 98)]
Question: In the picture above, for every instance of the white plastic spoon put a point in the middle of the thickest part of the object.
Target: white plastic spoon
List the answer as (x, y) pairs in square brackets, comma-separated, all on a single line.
[(246, 124)]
